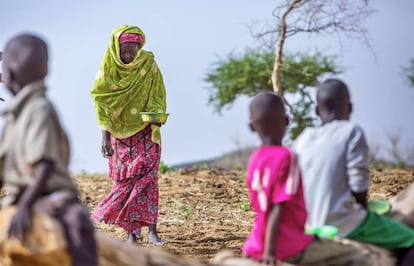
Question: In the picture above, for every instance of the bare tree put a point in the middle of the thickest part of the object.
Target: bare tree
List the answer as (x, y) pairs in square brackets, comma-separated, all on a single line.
[(396, 151), (374, 152), (393, 149), (340, 17)]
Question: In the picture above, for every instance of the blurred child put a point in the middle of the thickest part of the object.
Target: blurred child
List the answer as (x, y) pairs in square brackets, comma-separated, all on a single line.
[(276, 196), (34, 152), (334, 162)]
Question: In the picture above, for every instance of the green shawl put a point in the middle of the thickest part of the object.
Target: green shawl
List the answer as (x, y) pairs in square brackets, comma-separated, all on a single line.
[(121, 91)]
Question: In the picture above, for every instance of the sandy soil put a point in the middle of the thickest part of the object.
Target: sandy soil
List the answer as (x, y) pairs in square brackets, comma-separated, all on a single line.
[(204, 211)]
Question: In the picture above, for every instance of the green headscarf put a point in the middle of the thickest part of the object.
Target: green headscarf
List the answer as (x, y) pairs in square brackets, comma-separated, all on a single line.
[(121, 91)]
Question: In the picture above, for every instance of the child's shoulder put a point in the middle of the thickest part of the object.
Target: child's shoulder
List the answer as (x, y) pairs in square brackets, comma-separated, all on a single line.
[(40, 105), (269, 152), (344, 126), (39, 109)]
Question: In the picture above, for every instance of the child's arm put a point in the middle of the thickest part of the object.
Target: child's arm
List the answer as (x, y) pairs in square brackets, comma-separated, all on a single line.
[(361, 198), (357, 166), (272, 228), (22, 219)]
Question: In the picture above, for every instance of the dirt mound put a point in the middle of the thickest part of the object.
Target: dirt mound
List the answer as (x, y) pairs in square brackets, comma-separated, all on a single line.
[(204, 211)]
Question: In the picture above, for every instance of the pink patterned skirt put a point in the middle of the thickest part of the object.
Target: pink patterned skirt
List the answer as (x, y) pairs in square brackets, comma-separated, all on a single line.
[(133, 200)]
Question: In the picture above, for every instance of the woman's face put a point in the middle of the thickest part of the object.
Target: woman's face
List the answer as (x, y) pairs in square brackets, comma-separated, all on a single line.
[(128, 51)]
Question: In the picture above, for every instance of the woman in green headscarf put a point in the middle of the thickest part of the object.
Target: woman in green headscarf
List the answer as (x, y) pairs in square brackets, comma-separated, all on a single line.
[(129, 82)]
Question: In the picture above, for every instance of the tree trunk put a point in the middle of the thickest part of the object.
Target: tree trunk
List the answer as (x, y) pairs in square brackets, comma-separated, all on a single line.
[(113, 252), (277, 84)]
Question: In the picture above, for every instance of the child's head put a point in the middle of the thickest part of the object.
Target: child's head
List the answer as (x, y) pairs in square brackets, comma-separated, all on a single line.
[(268, 117), (333, 101), (24, 61)]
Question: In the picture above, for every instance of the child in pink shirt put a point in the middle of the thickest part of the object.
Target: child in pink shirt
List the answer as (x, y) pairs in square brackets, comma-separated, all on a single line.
[(276, 196)]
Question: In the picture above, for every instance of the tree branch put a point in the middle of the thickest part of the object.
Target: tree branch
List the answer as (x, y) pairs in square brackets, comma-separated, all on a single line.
[(277, 84)]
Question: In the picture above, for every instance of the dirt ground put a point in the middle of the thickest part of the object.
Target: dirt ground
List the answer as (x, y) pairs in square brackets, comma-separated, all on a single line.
[(204, 211)]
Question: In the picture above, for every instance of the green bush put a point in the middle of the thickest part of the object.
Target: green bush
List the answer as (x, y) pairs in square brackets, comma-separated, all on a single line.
[(163, 169)]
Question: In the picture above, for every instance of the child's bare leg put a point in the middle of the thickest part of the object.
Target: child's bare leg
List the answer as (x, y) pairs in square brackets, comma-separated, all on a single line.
[(153, 237)]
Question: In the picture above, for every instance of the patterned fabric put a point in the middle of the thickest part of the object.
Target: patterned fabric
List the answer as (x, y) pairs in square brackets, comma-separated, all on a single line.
[(121, 91), (133, 200), (128, 37)]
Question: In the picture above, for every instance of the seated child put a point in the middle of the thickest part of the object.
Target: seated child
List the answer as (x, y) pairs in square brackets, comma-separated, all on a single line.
[(276, 196), (34, 152), (334, 162)]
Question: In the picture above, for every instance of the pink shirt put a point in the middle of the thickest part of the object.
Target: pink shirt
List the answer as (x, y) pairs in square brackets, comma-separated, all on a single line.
[(273, 177)]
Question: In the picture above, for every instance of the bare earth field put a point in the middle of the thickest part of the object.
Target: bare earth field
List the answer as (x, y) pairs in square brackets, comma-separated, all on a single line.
[(204, 211)]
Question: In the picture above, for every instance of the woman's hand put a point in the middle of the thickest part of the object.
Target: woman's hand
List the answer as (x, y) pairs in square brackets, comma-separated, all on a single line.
[(107, 150)]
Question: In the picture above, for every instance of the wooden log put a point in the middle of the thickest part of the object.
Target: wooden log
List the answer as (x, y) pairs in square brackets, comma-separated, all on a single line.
[(43, 245), (227, 258), (376, 256), (402, 206), (113, 252)]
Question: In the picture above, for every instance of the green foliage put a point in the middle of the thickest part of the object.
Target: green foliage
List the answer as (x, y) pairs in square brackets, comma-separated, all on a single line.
[(399, 165), (200, 166), (239, 75), (410, 72), (244, 206), (250, 72), (181, 209), (239, 166), (187, 211), (83, 172), (163, 169)]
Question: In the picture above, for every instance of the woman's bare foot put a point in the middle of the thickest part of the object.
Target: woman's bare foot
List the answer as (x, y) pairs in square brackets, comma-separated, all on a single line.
[(132, 238), (154, 239)]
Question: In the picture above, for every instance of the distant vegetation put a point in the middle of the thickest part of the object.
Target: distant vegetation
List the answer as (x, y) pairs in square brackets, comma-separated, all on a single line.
[(394, 157), (250, 73), (163, 168), (235, 160)]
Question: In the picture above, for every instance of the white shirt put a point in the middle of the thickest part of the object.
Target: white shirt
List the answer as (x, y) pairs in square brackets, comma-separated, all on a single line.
[(334, 163)]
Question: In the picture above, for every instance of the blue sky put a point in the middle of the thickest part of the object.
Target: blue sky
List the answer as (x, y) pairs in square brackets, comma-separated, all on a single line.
[(186, 37)]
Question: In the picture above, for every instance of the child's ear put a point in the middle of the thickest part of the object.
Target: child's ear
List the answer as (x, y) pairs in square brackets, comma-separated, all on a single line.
[(252, 127), (287, 120), (9, 79), (317, 110), (350, 107)]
